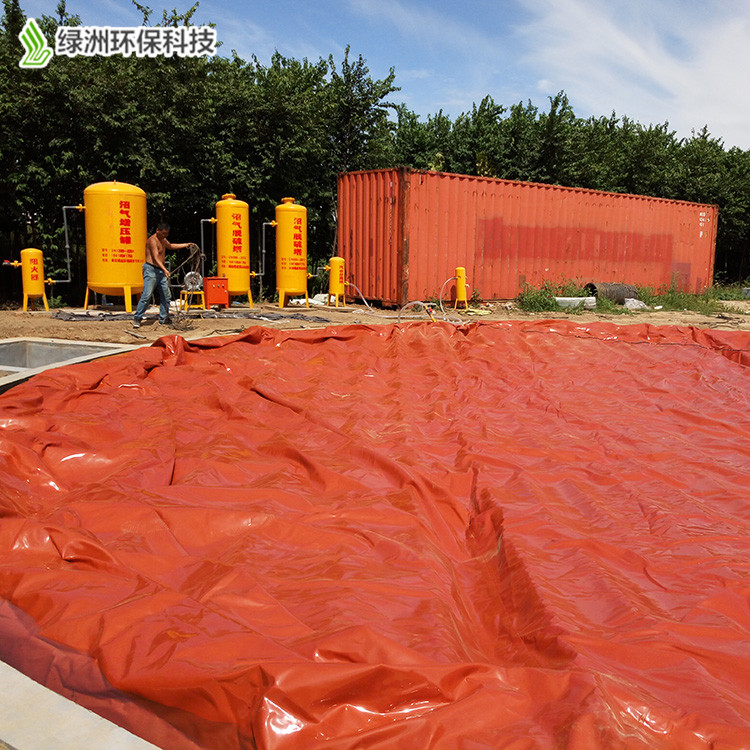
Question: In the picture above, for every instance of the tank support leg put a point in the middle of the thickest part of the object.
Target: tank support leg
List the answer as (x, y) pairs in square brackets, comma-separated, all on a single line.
[(33, 297), (86, 301), (128, 290)]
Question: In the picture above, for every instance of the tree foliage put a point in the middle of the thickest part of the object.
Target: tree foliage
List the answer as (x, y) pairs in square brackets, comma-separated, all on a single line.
[(187, 130)]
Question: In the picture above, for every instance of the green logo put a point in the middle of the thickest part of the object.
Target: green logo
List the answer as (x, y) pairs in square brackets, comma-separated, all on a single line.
[(38, 53)]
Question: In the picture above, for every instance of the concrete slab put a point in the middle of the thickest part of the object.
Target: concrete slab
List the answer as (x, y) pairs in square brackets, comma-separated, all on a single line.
[(588, 302), (21, 358), (35, 718)]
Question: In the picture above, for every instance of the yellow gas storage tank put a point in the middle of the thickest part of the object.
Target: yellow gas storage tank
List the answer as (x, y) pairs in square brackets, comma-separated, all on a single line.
[(291, 250), (115, 239), (233, 244)]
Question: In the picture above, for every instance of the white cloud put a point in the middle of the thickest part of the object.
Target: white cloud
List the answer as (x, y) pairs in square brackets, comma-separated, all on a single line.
[(671, 61), (103, 13), (422, 26), (415, 74), (237, 32), (463, 59)]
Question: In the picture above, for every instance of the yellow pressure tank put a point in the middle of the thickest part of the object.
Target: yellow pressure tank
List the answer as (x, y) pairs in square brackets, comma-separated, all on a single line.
[(32, 273), (336, 280), (115, 239), (291, 250), (233, 244)]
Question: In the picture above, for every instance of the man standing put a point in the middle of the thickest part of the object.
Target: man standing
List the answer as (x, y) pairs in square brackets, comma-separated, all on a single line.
[(155, 274)]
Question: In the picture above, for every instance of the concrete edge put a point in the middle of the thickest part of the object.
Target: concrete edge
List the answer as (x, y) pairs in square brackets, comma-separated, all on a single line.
[(32, 717), (108, 349)]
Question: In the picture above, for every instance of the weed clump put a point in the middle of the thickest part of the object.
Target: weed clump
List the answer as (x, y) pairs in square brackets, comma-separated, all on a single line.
[(610, 307), (542, 298), (672, 298)]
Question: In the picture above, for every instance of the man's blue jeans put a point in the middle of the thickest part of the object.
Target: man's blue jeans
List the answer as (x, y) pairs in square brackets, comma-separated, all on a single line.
[(153, 277)]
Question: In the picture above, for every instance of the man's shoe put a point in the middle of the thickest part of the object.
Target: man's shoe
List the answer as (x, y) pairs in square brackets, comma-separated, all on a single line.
[(136, 324), (166, 322)]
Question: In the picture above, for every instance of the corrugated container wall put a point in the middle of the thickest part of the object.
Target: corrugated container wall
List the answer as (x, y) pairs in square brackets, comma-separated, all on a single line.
[(403, 232)]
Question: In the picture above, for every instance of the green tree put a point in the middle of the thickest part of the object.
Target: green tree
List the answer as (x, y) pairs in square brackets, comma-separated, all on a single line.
[(413, 141), (709, 174), (357, 115), (556, 159)]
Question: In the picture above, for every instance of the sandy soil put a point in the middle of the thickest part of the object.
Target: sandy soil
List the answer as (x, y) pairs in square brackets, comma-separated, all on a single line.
[(113, 325)]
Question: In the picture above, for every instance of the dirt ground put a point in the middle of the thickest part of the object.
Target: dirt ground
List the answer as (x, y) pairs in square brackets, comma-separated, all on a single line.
[(112, 324)]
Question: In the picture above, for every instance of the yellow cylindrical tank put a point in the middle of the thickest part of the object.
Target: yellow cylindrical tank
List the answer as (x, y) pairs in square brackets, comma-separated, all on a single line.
[(115, 239), (32, 273), (233, 244), (460, 287), (336, 280), (291, 250)]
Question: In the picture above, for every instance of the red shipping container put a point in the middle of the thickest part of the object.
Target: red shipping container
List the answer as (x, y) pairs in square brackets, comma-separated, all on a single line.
[(403, 233)]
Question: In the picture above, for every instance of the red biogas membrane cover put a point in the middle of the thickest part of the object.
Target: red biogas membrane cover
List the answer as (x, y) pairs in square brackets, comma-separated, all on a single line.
[(522, 534)]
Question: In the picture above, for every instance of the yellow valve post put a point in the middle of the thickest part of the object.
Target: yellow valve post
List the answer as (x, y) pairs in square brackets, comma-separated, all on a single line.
[(460, 287), (336, 281)]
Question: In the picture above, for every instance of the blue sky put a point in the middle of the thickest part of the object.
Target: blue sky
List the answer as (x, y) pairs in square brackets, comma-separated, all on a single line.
[(681, 61)]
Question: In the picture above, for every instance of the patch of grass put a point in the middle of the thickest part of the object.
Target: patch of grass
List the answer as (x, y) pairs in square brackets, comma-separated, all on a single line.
[(608, 307), (542, 298), (647, 294), (728, 291), (570, 289), (672, 298)]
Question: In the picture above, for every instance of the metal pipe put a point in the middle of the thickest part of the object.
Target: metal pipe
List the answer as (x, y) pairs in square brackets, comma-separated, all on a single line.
[(612, 291), (263, 254), (79, 207), (212, 220), (265, 224)]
